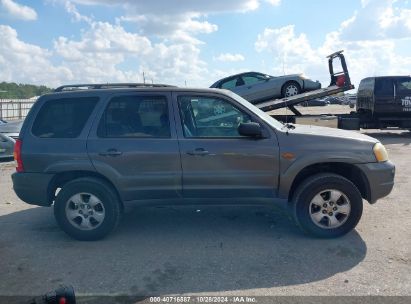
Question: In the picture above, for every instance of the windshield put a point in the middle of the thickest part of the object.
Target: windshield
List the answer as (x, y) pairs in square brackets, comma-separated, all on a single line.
[(264, 116)]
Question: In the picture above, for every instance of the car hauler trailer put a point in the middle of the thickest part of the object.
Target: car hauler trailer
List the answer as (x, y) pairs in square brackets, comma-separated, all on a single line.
[(382, 102)]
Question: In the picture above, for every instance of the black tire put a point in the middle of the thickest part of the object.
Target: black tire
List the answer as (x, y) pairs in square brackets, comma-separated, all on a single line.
[(312, 186), (109, 203), (290, 84)]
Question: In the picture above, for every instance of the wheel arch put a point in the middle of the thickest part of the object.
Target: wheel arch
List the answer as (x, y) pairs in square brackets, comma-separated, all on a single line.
[(349, 171), (62, 178)]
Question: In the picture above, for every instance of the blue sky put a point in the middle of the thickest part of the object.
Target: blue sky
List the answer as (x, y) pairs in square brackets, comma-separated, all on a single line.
[(196, 42)]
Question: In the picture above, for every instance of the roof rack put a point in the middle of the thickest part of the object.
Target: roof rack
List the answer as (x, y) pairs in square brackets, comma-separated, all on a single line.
[(94, 86)]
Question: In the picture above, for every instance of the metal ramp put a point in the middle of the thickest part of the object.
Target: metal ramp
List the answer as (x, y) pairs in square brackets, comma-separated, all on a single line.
[(290, 102), (340, 82)]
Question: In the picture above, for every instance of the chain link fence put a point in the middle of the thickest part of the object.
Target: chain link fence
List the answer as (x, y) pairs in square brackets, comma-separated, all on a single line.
[(12, 109)]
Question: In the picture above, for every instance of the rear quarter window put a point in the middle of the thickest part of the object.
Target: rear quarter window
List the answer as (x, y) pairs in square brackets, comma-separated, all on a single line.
[(384, 87), (63, 118)]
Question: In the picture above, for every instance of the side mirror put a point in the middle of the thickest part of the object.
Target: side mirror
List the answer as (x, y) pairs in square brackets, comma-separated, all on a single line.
[(250, 129)]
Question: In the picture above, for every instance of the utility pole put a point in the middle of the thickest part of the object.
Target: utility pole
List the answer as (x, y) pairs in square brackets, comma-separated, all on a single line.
[(144, 78)]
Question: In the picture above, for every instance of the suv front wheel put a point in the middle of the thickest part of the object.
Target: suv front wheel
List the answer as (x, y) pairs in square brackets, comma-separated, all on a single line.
[(87, 209), (327, 205)]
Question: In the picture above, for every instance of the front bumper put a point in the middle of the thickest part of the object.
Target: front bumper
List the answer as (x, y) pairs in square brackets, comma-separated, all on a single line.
[(380, 179), (310, 85), (33, 188)]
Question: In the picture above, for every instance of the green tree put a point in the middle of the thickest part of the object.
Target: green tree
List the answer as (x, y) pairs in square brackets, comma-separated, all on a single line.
[(13, 90)]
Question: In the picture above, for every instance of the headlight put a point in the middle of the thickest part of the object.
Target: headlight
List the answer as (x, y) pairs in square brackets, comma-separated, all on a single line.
[(380, 153)]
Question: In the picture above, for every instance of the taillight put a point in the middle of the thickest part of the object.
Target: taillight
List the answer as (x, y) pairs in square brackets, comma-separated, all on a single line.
[(17, 156), (340, 81)]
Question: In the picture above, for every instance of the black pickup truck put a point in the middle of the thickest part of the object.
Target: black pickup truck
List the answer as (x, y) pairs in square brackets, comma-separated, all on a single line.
[(384, 102)]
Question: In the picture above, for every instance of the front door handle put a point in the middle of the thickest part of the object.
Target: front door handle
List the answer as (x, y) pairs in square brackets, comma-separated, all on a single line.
[(198, 151), (111, 152)]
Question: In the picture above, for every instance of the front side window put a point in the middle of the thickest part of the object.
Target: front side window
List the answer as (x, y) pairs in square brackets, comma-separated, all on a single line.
[(63, 118), (210, 117), (136, 116)]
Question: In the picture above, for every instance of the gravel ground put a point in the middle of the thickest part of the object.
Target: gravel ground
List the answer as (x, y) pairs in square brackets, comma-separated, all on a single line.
[(213, 251)]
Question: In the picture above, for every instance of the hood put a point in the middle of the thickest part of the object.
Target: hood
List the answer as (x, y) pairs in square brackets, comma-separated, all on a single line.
[(287, 76), (331, 132), (315, 144)]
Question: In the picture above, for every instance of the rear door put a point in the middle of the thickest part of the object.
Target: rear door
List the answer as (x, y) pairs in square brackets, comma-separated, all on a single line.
[(134, 144), (216, 161)]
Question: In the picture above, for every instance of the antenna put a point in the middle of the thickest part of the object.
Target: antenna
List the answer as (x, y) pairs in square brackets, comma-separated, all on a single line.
[(144, 78)]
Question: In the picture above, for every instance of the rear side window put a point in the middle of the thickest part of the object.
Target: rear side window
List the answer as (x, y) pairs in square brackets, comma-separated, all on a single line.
[(63, 118), (229, 84), (136, 116)]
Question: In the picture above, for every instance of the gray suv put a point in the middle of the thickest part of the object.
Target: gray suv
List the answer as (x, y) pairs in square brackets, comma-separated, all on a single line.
[(90, 151)]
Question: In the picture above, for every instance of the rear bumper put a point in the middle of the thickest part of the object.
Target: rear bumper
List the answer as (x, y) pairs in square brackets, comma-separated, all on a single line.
[(380, 179), (32, 188)]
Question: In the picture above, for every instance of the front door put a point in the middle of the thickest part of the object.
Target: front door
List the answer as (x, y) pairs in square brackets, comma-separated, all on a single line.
[(135, 145), (218, 162)]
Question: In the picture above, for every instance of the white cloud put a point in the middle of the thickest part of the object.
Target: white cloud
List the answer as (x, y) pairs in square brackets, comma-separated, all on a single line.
[(178, 20), (104, 53), (19, 11), (24, 62), (176, 7), (274, 2), (377, 20), (165, 45), (371, 47), (72, 10), (177, 28), (96, 56), (227, 57)]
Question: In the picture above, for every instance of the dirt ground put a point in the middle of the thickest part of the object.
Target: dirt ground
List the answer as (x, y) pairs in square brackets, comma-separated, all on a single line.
[(213, 251)]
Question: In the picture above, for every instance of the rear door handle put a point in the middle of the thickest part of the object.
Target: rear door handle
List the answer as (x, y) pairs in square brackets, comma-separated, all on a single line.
[(111, 152), (198, 151)]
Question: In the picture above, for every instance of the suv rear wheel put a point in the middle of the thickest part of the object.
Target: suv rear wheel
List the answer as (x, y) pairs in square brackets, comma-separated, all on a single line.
[(87, 209), (327, 205)]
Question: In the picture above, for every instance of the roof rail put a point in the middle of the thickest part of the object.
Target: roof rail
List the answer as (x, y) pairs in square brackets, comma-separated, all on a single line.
[(94, 86)]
